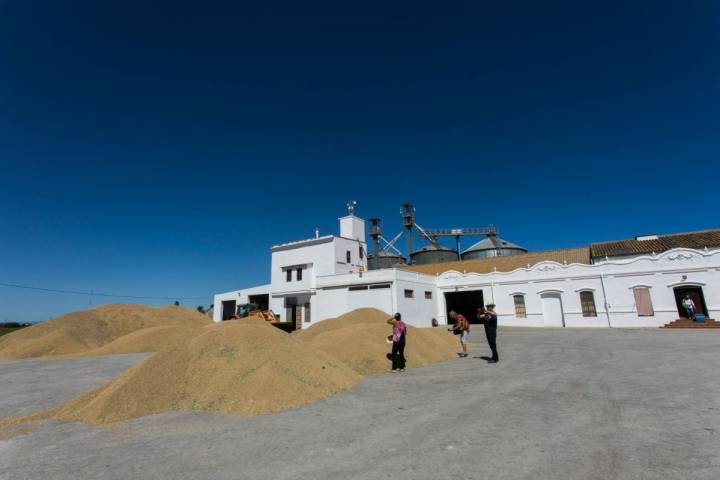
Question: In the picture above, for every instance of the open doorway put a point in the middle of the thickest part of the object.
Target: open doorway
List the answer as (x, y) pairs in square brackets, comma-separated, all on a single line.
[(695, 294), (261, 300), (228, 309), (465, 303)]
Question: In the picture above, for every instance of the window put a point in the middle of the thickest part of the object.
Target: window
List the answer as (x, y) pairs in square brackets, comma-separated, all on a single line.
[(520, 311), (288, 275), (587, 300), (381, 285), (409, 293), (643, 302), (347, 256), (299, 274), (428, 295), (361, 252), (307, 313), (354, 288)]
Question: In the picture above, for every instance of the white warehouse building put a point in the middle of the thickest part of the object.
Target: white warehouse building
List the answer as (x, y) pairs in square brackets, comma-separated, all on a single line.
[(627, 283)]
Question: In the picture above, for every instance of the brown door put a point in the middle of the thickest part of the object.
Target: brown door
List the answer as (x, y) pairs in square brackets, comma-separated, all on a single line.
[(695, 294), (298, 317)]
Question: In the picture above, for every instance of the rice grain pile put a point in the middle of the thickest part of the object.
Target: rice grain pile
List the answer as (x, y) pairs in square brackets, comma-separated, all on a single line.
[(245, 367), (358, 339), (103, 330)]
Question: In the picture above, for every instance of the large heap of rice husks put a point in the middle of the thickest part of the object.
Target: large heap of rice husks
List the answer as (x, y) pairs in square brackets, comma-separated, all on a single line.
[(103, 330), (245, 366), (358, 339)]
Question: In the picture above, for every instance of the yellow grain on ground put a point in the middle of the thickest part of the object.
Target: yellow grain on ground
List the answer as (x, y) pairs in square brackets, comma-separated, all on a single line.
[(358, 339), (242, 367), (100, 331)]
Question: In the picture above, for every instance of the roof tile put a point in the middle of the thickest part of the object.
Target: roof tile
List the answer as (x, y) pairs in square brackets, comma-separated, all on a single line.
[(506, 263), (619, 248)]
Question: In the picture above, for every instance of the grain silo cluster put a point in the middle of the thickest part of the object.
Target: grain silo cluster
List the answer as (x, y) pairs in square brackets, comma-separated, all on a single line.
[(387, 255)]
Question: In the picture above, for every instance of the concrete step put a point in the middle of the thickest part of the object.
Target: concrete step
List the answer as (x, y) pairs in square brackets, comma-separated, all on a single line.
[(686, 323), (692, 326)]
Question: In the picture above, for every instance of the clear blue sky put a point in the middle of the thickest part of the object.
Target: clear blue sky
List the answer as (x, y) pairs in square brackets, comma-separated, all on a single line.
[(160, 150)]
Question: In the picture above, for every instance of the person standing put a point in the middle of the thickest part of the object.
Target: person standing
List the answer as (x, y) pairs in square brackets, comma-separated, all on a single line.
[(689, 306), (488, 317), (461, 328), (398, 343)]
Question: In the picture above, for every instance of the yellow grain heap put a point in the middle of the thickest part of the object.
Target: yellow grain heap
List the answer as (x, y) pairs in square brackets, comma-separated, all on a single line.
[(358, 339), (243, 367), (104, 330)]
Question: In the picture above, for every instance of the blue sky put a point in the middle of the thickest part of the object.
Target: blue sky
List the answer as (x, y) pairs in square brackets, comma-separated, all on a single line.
[(160, 149)]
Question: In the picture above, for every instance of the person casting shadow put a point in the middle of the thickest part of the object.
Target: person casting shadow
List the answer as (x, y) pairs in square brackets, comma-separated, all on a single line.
[(488, 318), (398, 343)]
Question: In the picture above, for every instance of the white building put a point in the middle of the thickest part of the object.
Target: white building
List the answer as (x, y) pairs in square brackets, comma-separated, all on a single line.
[(628, 283)]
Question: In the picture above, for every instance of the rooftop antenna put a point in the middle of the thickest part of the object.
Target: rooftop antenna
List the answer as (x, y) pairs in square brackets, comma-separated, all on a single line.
[(351, 207)]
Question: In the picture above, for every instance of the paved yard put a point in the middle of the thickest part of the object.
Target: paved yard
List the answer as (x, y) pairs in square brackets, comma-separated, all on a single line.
[(561, 404)]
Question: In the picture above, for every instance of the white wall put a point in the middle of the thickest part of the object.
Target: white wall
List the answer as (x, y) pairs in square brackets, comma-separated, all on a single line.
[(333, 297), (611, 283), (352, 227), (240, 296), (344, 245), (317, 254), (417, 311), (331, 303)]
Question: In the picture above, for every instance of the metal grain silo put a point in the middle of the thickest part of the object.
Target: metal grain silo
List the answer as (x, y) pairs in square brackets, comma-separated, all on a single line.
[(492, 246), (383, 259), (433, 254)]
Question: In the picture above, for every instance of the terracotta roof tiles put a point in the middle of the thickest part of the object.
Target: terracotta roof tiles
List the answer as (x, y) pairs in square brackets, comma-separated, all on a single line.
[(619, 248)]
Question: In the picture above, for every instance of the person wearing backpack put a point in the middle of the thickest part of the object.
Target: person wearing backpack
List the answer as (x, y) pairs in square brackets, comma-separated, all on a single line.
[(398, 343), (461, 328)]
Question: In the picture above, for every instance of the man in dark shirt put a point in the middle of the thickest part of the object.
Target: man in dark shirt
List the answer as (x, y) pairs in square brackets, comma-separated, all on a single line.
[(488, 318)]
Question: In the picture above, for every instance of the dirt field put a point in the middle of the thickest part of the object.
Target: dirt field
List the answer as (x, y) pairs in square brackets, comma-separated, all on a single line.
[(561, 404)]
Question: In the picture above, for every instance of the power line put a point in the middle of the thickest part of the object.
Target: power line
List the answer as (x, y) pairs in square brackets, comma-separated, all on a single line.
[(97, 294)]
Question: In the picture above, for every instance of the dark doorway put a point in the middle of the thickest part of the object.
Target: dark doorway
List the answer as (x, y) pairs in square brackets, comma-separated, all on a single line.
[(696, 295), (228, 309), (465, 303), (292, 311), (262, 301)]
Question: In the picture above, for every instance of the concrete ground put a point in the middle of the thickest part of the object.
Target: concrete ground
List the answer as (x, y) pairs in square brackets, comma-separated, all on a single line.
[(561, 404)]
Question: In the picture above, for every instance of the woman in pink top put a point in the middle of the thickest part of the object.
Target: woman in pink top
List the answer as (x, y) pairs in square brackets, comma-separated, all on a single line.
[(398, 338)]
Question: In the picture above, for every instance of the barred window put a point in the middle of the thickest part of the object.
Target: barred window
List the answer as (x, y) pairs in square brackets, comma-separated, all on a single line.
[(428, 295), (587, 300), (409, 294), (520, 311)]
